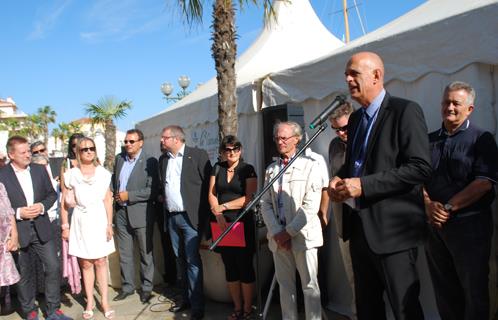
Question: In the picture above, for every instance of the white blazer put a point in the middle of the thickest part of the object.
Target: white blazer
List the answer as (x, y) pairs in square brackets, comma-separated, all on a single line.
[(301, 194)]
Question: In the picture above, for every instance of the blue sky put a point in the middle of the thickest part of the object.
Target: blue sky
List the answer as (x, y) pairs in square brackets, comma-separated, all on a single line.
[(65, 53)]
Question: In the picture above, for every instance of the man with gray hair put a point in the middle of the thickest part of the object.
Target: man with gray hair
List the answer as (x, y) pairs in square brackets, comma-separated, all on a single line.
[(458, 202), (289, 210)]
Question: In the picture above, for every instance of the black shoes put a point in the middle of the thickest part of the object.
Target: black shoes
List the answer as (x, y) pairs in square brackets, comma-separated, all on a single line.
[(145, 296), (123, 295), (196, 316), (179, 307)]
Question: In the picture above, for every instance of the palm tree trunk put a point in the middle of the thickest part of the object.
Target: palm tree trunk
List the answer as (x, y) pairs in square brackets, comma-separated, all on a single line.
[(110, 144), (224, 52), (45, 135)]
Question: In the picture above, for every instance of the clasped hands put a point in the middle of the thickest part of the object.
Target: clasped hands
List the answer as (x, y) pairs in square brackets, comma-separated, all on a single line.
[(283, 240), (121, 197), (31, 212), (343, 189), (436, 213)]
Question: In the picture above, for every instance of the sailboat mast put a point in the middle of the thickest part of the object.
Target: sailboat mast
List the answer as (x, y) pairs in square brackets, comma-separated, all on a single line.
[(346, 23)]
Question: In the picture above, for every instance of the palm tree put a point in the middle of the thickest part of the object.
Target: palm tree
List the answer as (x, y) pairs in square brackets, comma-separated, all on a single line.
[(105, 112), (44, 116), (224, 53), (25, 127), (63, 132)]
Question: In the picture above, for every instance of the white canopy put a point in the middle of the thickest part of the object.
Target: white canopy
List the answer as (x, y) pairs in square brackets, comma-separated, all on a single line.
[(296, 37), (439, 41)]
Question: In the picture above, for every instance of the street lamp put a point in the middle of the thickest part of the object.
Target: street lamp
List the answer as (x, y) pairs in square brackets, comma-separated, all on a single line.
[(167, 89)]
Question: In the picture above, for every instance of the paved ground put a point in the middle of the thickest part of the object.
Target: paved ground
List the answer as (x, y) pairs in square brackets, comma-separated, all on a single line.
[(132, 309)]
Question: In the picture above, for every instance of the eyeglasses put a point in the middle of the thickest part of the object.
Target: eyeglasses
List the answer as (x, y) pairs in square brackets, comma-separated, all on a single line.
[(234, 149), (39, 151), (341, 129), (167, 137), (92, 149), (130, 141), (284, 139)]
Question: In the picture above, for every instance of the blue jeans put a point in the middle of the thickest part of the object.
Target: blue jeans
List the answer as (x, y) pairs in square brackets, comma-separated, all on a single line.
[(185, 241)]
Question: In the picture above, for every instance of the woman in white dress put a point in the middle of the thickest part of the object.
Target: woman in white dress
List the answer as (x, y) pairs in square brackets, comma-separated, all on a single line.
[(90, 235)]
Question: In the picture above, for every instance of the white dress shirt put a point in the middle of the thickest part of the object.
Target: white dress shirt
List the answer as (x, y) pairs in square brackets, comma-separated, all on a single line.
[(24, 178), (174, 200)]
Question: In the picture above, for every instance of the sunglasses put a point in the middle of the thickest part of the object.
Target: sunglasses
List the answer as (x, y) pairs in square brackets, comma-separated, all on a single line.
[(341, 129), (39, 151), (130, 141), (234, 149), (92, 149)]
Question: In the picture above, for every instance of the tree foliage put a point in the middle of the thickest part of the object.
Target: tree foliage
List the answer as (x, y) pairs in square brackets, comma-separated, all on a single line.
[(104, 112), (224, 52)]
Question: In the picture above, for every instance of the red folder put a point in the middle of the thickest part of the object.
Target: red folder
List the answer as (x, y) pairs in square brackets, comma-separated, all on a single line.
[(235, 238)]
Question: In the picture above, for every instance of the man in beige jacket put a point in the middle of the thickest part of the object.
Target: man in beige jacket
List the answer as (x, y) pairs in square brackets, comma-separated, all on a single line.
[(289, 210)]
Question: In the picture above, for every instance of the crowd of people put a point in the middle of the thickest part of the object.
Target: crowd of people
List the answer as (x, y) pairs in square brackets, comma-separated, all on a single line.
[(394, 190)]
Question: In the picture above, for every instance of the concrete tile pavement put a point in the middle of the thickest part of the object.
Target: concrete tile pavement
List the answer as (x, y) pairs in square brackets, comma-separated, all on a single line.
[(157, 309)]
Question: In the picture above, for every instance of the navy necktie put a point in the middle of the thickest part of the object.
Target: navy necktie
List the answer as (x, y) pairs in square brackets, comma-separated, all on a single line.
[(359, 146)]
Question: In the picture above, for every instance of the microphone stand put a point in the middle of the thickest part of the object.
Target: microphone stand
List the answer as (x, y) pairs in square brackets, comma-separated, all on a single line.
[(252, 203)]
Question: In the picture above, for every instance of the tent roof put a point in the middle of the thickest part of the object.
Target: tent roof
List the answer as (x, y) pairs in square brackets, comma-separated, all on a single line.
[(296, 37), (441, 36)]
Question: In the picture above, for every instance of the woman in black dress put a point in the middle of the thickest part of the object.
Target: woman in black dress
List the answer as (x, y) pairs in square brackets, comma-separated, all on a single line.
[(231, 186)]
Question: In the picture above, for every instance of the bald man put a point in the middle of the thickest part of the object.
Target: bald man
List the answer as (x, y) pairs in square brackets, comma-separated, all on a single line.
[(387, 161)]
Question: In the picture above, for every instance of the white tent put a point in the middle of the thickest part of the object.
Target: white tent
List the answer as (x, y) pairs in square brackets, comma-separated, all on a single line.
[(295, 37), (432, 45), (439, 41)]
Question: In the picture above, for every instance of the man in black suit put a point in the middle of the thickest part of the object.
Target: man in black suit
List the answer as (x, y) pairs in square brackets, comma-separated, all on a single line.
[(134, 184), (387, 161), (184, 175), (31, 194)]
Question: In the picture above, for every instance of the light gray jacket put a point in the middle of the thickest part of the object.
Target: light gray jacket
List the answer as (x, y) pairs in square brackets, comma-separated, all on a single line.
[(301, 194)]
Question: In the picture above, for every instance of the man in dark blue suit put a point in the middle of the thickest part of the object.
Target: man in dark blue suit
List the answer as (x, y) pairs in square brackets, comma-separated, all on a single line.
[(387, 161), (184, 175), (31, 194)]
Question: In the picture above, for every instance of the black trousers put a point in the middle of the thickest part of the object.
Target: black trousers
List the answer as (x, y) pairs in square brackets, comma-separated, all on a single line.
[(26, 288), (458, 257), (394, 273)]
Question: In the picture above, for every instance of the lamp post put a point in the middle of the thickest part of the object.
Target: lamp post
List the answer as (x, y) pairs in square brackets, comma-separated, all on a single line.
[(167, 89)]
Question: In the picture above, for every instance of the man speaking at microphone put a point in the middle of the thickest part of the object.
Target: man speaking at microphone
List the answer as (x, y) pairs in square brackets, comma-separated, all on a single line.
[(387, 161)]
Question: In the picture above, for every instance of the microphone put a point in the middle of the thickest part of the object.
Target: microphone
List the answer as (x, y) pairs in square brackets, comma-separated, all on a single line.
[(322, 117)]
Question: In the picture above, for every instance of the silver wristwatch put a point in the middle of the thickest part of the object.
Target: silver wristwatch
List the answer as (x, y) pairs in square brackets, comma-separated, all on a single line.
[(448, 207)]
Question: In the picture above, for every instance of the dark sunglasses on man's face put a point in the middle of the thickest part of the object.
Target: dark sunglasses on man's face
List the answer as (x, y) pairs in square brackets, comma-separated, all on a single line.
[(130, 141), (92, 149), (39, 151), (341, 129)]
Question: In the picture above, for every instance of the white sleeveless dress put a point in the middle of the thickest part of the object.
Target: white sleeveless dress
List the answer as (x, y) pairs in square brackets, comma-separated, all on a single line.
[(87, 235)]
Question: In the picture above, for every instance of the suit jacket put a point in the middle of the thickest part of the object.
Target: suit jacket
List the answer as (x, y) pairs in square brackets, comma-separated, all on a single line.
[(194, 185), (43, 192), (301, 193), (142, 189), (396, 165)]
